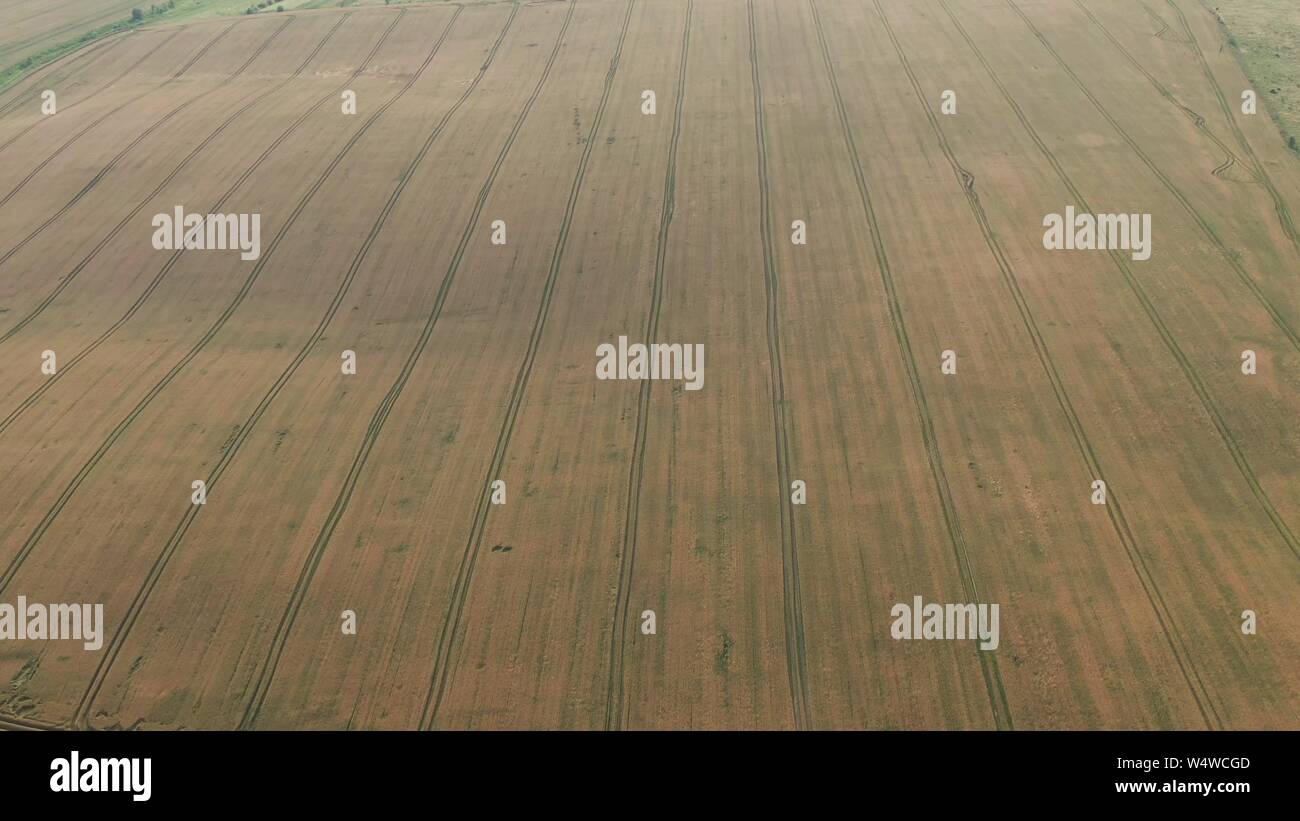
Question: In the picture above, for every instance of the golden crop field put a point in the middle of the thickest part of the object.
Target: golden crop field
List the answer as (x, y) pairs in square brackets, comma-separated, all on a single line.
[(326, 392)]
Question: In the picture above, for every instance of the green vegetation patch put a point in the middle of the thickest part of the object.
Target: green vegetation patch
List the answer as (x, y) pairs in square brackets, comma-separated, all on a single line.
[(139, 17), (1265, 34)]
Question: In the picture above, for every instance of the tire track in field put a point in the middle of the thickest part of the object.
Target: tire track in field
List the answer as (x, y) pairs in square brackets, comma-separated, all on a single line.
[(67, 280), (52, 68), (1189, 371), (792, 604), (1222, 168), (614, 716), (230, 192), (86, 24), (1258, 173), (1164, 27), (117, 158), (176, 255), (444, 667), (16, 724), (1164, 91), (1163, 32), (58, 151), (266, 674), (197, 56), (101, 90), (998, 704), (207, 337), (1279, 203), (1177, 645), (1174, 191), (245, 430), (46, 10)]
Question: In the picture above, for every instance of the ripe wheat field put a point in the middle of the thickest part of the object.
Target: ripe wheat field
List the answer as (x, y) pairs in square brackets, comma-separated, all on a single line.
[(391, 452)]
